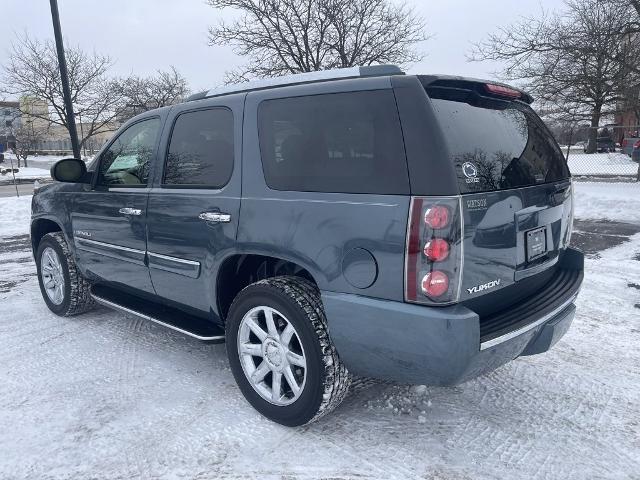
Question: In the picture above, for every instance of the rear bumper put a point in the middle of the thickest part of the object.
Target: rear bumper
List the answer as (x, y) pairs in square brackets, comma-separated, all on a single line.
[(439, 346)]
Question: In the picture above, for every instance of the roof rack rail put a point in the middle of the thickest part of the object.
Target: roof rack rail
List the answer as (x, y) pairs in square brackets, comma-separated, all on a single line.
[(299, 78)]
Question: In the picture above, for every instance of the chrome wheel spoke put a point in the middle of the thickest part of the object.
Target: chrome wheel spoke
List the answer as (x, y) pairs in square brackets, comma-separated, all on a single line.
[(296, 359), (257, 329), (276, 386), (271, 326), (286, 335), (259, 373), (253, 349), (291, 380), (59, 293), (52, 261)]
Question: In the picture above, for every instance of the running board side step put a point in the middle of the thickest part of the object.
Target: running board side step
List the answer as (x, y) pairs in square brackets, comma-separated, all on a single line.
[(166, 316)]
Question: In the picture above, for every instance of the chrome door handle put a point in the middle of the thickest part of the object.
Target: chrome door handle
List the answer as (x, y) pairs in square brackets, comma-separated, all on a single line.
[(130, 211), (215, 217)]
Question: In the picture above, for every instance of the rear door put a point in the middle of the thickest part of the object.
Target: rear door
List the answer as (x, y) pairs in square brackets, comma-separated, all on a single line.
[(109, 218), (516, 191), (194, 206)]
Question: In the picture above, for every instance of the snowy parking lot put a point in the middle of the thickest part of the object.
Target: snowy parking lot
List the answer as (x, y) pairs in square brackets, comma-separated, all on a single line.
[(104, 395), (602, 164)]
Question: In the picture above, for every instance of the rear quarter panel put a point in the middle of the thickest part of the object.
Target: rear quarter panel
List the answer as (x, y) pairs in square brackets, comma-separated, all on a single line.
[(317, 230)]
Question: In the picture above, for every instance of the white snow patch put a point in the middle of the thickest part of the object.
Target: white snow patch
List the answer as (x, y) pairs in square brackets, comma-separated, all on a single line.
[(602, 164), (15, 215), (612, 201), (25, 173)]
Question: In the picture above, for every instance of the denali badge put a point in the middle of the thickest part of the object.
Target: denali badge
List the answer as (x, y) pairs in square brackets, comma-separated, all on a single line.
[(81, 233), (484, 286)]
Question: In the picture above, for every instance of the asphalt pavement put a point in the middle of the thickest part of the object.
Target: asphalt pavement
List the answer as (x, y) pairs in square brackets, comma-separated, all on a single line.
[(10, 190)]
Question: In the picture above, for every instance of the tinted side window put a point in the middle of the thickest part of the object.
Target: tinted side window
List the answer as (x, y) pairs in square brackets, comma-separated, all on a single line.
[(201, 149), (126, 161), (343, 142)]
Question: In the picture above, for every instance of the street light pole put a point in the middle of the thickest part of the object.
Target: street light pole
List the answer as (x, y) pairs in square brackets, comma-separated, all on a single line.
[(64, 78)]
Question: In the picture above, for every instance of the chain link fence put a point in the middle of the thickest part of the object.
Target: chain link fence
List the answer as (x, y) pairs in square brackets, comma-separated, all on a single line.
[(611, 155)]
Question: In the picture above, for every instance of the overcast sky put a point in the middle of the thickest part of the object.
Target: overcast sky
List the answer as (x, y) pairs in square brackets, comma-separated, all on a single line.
[(142, 36)]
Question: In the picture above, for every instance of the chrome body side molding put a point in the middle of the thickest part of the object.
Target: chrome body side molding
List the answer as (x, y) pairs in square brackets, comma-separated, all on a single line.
[(118, 252), (180, 266)]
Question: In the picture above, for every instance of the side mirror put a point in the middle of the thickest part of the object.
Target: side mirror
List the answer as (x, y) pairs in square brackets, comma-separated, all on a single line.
[(70, 170)]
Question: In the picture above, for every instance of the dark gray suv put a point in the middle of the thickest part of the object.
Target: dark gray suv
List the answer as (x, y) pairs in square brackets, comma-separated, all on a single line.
[(357, 221)]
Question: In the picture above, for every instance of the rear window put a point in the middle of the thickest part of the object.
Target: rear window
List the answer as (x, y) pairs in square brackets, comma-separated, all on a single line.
[(501, 146), (342, 142)]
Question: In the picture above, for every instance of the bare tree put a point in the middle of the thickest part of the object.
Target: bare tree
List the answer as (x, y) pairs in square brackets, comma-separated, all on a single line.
[(31, 70), (569, 59), (290, 36), (27, 137), (146, 93)]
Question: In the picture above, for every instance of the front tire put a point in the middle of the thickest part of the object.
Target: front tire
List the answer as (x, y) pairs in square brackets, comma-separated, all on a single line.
[(65, 291), (281, 354)]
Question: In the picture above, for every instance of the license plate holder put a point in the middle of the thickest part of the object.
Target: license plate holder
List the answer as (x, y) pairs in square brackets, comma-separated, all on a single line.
[(536, 243)]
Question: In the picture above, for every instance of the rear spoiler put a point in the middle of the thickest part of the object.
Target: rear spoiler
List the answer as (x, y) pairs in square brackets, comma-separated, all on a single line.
[(483, 88)]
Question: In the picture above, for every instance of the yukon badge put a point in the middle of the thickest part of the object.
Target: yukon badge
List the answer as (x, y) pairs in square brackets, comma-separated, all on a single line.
[(484, 286)]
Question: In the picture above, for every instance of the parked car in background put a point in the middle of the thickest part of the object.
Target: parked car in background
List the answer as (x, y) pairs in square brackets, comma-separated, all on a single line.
[(604, 144), (630, 146), (412, 228)]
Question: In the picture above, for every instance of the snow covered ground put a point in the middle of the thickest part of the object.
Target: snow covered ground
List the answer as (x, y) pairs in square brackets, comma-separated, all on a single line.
[(108, 396), (15, 215), (39, 167), (612, 201), (30, 173), (602, 164)]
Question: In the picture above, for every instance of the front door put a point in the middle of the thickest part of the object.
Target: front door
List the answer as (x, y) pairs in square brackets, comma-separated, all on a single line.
[(195, 203), (109, 219)]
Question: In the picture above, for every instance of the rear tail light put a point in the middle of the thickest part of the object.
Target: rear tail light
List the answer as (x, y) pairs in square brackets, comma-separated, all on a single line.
[(433, 261), (437, 216), (436, 250), (435, 284), (637, 144)]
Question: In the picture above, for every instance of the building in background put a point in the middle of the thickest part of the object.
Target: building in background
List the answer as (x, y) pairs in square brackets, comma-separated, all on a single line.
[(35, 113), (9, 120), (57, 141), (32, 114)]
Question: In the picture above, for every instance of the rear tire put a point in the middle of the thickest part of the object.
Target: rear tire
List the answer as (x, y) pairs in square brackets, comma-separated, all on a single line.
[(294, 304), (65, 291)]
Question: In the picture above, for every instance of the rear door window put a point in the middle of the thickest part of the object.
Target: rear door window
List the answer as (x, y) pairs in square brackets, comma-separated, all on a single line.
[(501, 146), (201, 149), (344, 142)]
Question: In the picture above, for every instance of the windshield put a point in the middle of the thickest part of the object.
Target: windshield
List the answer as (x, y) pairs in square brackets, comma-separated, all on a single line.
[(497, 147)]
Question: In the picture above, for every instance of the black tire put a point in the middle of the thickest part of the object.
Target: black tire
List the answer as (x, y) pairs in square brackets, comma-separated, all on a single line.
[(327, 381), (77, 297)]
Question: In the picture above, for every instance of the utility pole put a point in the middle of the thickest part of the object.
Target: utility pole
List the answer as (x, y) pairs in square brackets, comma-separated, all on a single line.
[(64, 78)]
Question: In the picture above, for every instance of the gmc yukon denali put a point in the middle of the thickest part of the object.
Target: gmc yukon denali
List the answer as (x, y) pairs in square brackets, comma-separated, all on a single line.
[(357, 221)]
